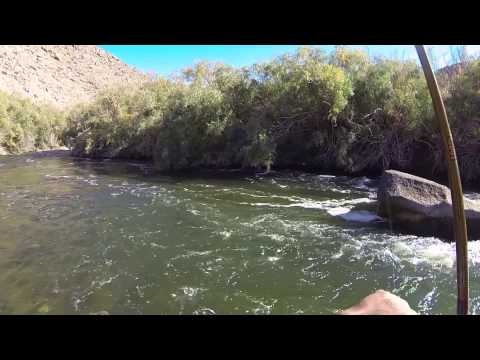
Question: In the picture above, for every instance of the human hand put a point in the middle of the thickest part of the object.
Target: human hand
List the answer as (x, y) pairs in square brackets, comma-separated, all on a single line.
[(380, 303)]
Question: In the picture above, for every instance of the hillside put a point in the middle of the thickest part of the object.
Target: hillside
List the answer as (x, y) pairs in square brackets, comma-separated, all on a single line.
[(61, 75)]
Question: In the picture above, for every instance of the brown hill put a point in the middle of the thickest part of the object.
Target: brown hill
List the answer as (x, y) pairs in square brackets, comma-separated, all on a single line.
[(447, 75), (451, 70), (62, 75)]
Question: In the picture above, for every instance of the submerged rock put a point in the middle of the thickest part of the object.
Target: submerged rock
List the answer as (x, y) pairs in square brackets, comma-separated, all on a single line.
[(423, 207)]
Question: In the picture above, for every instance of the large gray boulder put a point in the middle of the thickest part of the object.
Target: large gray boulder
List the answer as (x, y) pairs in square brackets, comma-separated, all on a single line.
[(420, 206)]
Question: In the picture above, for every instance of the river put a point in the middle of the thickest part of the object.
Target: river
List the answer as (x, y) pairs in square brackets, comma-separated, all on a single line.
[(80, 236)]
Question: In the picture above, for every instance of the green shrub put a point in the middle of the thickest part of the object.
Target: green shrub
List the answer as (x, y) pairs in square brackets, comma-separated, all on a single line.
[(343, 111), (463, 106), (390, 110), (25, 126)]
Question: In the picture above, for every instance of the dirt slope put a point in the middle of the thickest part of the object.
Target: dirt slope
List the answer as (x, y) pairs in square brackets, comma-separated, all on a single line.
[(62, 75)]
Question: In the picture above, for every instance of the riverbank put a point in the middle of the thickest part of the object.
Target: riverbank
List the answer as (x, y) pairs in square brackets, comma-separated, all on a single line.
[(471, 190), (342, 113), (28, 127), (55, 152)]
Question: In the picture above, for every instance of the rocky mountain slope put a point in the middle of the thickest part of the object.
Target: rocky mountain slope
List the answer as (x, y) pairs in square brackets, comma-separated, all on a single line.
[(62, 75)]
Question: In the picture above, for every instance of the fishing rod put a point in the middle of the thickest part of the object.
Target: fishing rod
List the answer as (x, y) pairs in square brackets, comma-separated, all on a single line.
[(459, 223)]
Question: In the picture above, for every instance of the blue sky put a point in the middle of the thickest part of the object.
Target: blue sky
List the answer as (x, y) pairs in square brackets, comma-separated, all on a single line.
[(165, 59)]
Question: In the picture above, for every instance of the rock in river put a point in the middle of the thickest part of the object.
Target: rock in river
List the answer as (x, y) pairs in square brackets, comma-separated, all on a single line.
[(423, 207)]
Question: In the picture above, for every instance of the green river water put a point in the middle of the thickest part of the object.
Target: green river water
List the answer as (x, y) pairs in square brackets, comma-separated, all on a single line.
[(82, 236)]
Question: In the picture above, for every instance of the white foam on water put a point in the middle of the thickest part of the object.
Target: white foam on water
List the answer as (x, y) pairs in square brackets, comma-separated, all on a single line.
[(91, 180), (276, 237), (337, 255), (273, 258), (264, 204), (472, 195), (198, 253), (204, 311), (360, 216), (428, 300), (140, 292), (338, 211), (225, 234), (100, 283), (361, 200), (310, 204), (60, 176), (191, 291), (262, 306), (341, 191), (269, 196), (155, 245), (408, 249), (435, 251)]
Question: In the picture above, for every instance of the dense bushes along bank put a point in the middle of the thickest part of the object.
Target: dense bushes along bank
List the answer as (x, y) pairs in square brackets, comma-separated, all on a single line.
[(26, 127), (339, 112)]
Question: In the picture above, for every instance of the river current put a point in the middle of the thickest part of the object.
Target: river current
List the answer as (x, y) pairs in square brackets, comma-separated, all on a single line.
[(82, 236)]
